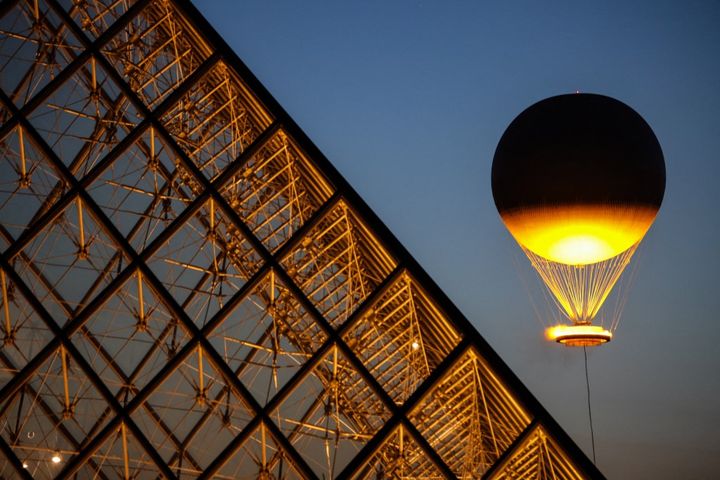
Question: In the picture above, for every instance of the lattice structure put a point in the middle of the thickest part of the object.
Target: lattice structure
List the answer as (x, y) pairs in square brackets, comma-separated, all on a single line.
[(190, 289)]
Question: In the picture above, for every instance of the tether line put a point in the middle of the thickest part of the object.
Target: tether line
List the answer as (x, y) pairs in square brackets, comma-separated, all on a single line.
[(587, 382)]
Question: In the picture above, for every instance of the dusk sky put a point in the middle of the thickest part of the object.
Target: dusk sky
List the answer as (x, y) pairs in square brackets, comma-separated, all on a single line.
[(409, 99)]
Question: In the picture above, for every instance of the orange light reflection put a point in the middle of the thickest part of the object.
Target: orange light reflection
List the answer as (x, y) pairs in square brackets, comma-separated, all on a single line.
[(579, 234)]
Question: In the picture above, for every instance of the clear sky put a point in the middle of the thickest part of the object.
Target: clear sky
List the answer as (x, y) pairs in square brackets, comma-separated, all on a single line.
[(409, 99)]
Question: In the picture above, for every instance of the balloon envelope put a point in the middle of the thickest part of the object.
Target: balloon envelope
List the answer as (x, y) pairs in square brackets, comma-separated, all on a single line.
[(578, 178)]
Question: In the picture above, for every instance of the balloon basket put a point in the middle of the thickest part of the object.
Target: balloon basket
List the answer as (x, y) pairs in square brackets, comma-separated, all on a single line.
[(579, 335)]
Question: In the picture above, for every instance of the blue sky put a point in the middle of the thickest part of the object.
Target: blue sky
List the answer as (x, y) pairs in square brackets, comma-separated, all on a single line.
[(409, 99)]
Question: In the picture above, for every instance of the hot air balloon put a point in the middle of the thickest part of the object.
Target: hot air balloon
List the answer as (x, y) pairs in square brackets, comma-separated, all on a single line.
[(578, 180)]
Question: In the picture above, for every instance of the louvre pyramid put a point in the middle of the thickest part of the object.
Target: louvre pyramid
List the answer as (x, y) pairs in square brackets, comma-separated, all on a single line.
[(191, 290)]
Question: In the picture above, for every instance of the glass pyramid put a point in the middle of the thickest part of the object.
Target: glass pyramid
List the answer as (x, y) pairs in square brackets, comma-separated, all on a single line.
[(191, 290)]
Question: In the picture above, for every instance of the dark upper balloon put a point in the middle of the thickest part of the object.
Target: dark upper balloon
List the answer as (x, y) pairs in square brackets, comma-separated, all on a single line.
[(578, 149)]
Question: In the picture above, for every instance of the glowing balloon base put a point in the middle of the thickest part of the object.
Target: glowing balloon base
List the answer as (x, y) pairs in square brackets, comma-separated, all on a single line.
[(579, 335)]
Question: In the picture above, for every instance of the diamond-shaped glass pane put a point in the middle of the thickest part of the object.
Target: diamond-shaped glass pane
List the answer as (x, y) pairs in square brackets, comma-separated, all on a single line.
[(338, 263), (144, 190), (120, 456), (24, 333), (84, 118), (259, 457), (267, 338), (29, 183), (402, 338), (155, 51), (53, 414), (538, 457), (192, 415), (204, 263), (276, 191), (469, 417), (69, 262), (331, 414), (400, 457), (216, 120), (130, 338), (35, 46)]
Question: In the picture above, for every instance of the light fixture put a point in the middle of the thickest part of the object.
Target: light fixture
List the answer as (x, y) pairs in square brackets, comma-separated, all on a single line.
[(56, 458), (415, 345), (25, 465), (579, 335)]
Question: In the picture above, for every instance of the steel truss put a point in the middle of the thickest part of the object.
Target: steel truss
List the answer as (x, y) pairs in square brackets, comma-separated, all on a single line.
[(191, 290)]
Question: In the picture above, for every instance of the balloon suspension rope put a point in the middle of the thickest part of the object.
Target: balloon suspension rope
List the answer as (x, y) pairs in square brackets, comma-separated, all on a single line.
[(587, 382)]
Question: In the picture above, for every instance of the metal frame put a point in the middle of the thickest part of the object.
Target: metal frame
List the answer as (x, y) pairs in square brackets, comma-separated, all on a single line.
[(190, 289)]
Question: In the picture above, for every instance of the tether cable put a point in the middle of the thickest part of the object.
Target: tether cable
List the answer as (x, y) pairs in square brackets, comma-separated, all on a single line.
[(587, 382)]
